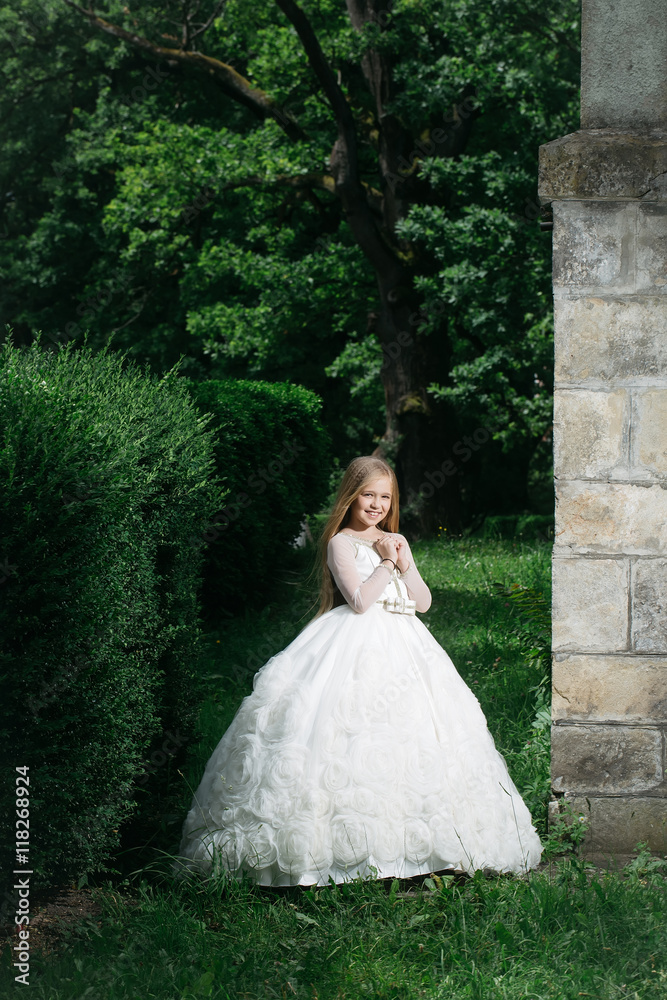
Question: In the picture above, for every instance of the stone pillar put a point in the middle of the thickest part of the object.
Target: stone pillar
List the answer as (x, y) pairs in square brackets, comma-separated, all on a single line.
[(608, 187)]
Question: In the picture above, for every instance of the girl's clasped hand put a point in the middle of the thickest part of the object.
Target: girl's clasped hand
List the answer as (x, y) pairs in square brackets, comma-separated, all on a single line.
[(390, 548)]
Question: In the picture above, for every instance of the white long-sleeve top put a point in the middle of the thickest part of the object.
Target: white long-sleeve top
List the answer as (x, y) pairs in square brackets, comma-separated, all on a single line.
[(363, 579)]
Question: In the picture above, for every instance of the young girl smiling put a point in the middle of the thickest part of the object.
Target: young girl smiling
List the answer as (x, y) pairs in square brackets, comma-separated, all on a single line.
[(361, 751)]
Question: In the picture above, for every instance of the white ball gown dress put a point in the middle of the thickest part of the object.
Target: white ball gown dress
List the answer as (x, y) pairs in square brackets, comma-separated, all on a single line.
[(359, 752)]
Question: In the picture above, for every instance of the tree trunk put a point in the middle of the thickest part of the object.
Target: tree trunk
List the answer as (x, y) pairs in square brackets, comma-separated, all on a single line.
[(420, 435), (419, 432)]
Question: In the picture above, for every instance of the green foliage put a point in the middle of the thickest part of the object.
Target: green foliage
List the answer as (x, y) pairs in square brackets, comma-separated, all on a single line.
[(562, 932), (645, 865), (270, 451), (140, 203), (106, 476), (567, 830), (519, 526), (558, 935)]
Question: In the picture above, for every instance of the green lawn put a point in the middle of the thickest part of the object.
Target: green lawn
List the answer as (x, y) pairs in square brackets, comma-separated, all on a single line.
[(567, 931)]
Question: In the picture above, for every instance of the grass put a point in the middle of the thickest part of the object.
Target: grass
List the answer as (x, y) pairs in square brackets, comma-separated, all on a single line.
[(563, 935), (568, 931)]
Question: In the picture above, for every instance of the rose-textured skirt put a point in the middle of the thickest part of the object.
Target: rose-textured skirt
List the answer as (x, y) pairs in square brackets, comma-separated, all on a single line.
[(361, 751)]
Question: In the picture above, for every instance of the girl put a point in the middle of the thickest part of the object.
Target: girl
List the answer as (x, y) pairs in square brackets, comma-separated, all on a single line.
[(361, 751)]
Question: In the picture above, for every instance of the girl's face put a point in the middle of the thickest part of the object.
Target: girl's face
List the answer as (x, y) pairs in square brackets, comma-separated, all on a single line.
[(372, 505)]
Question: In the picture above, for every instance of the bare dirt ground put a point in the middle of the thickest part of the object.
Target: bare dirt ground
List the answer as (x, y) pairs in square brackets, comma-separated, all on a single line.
[(55, 912)]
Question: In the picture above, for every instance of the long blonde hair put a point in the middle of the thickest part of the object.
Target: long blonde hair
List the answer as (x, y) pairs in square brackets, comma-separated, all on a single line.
[(359, 474)]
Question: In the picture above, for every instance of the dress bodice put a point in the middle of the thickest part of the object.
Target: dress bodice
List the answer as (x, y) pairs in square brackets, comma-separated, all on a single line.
[(355, 567), (367, 560)]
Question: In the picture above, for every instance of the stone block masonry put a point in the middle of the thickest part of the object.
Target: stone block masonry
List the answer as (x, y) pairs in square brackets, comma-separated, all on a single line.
[(607, 185)]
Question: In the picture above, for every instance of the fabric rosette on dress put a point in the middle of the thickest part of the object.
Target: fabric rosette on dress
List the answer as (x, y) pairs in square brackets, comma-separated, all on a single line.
[(360, 751)]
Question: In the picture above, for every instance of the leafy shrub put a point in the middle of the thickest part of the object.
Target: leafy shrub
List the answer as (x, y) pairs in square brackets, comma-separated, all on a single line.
[(107, 474), (273, 455)]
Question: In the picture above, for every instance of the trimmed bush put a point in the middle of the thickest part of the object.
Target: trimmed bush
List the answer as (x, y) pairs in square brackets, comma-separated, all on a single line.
[(273, 455), (106, 476)]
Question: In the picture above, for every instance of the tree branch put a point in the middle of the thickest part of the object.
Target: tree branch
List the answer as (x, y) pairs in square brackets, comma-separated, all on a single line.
[(344, 160), (554, 38), (347, 172), (233, 84), (38, 83), (323, 182), (312, 181), (207, 24)]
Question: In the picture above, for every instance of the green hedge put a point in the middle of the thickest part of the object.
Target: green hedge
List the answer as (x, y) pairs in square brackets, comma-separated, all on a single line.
[(107, 474), (273, 455)]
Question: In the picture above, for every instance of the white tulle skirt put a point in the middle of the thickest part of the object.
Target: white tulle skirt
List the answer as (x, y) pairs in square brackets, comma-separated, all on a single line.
[(360, 752)]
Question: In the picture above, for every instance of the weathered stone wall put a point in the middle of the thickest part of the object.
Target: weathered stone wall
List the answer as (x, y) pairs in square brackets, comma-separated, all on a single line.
[(608, 189), (624, 64)]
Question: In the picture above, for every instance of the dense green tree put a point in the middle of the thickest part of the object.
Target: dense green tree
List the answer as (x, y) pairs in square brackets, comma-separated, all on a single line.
[(343, 195)]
